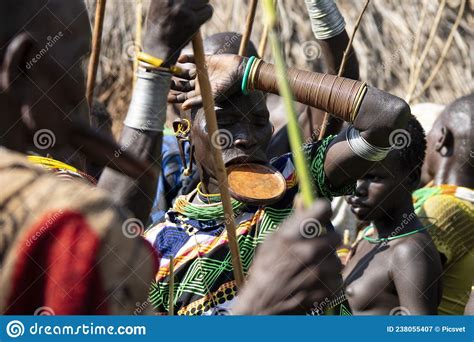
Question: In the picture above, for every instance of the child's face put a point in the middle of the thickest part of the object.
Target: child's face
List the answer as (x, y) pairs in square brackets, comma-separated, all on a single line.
[(380, 190)]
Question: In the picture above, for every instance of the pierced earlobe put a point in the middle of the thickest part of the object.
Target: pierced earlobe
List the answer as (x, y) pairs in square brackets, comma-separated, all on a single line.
[(182, 129)]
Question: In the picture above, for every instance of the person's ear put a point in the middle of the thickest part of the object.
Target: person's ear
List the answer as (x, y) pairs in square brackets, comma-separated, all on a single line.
[(444, 143), (15, 62)]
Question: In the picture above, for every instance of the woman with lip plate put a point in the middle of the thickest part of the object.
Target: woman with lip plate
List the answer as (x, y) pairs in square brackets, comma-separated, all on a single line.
[(394, 267), (193, 234)]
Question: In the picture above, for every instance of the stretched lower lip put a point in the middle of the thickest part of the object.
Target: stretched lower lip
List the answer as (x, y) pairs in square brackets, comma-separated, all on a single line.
[(243, 160)]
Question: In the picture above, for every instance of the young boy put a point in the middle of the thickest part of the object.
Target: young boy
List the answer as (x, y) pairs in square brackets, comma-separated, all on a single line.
[(394, 268)]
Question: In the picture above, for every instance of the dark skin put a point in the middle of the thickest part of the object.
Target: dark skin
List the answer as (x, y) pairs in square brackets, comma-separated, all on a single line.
[(311, 119), (448, 159), (379, 114), (50, 94), (290, 273), (247, 121), (333, 51), (45, 88), (404, 272), (313, 260), (163, 38), (19, 99)]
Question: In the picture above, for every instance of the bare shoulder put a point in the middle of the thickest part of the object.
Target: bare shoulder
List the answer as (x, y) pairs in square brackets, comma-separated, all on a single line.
[(416, 248)]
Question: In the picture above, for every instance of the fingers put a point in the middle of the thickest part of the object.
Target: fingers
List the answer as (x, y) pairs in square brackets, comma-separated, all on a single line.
[(192, 102), (180, 97), (182, 85), (187, 58)]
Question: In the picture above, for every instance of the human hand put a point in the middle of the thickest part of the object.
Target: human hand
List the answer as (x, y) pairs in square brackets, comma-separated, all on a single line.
[(171, 24), (294, 268), (225, 74)]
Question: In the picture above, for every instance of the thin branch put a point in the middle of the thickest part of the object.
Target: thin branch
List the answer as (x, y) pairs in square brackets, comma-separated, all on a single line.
[(416, 74), (248, 27), (444, 52), (345, 57)]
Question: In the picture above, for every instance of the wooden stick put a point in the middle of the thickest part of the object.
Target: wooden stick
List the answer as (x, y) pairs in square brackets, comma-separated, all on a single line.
[(96, 44), (264, 38), (424, 53), (345, 57), (294, 131), (138, 36), (416, 42), (248, 28), (444, 52), (171, 289), (263, 42), (221, 174)]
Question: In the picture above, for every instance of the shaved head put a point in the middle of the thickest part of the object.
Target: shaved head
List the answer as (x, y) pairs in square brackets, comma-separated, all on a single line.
[(458, 117), (450, 145), (42, 20), (44, 45)]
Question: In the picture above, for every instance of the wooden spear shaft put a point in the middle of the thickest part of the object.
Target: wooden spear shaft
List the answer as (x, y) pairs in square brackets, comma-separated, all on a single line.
[(221, 174), (248, 28), (96, 44), (138, 37)]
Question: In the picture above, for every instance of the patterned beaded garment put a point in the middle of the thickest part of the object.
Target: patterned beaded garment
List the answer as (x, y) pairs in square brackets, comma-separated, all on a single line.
[(194, 235), (449, 210)]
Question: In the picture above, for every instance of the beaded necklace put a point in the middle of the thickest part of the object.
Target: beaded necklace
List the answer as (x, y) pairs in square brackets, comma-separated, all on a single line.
[(213, 210), (390, 238)]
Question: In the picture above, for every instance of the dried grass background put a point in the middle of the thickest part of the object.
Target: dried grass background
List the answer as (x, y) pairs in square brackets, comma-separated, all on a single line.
[(383, 44)]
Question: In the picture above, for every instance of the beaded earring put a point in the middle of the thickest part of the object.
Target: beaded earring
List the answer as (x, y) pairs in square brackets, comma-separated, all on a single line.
[(182, 130)]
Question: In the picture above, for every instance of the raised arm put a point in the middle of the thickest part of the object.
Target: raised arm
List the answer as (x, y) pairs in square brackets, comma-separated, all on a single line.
[(143, 126), (331, 36), (375, 114)]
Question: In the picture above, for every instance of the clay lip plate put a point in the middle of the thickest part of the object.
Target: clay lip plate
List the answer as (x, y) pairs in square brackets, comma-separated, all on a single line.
[(255, 183)]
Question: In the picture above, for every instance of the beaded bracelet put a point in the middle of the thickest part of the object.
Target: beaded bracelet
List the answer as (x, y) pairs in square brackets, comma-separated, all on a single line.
[(153, 63)]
